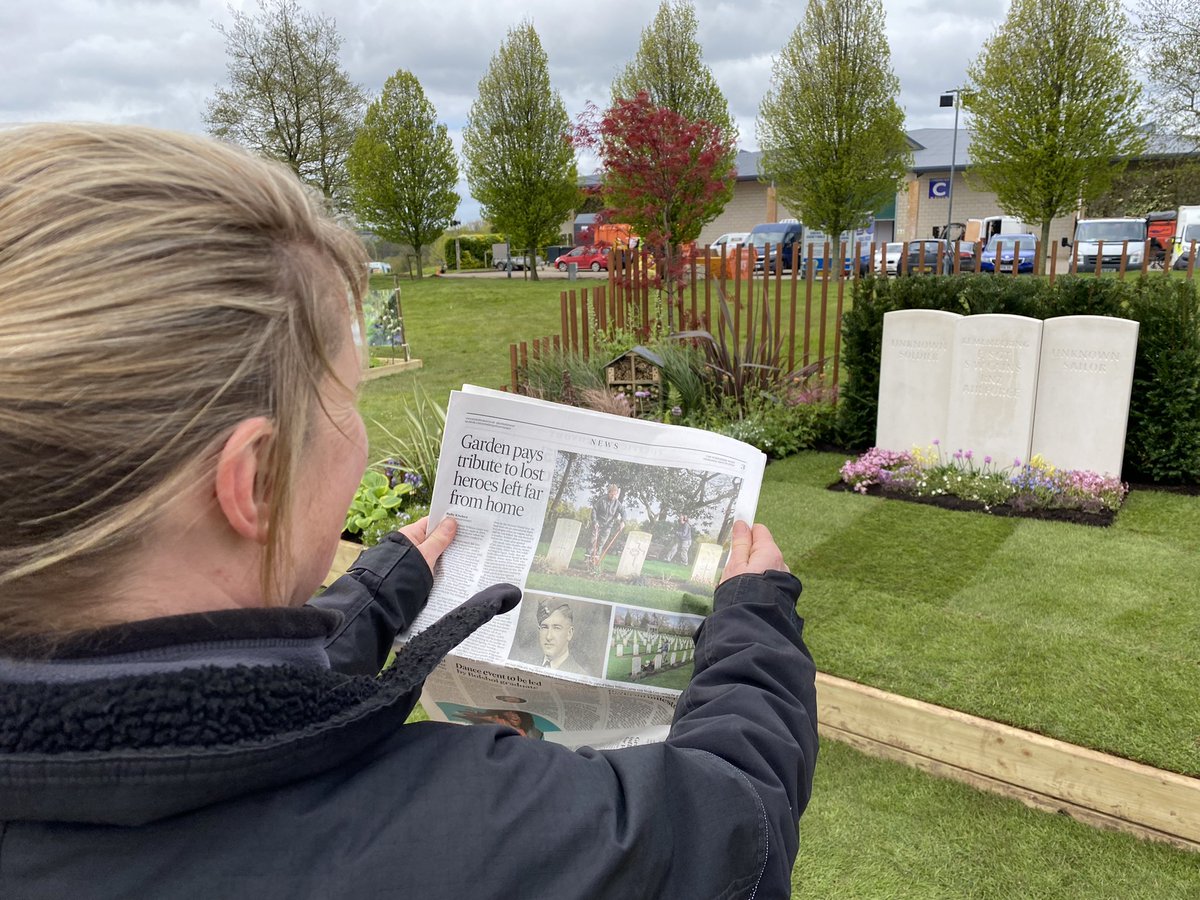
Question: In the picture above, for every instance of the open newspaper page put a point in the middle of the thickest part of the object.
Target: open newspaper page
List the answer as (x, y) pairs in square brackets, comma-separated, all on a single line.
[(617, 530)]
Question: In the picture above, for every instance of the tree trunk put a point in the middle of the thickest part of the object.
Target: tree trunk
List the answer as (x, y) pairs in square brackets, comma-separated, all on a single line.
[(531, 264), (1039, 262), (420, 268)]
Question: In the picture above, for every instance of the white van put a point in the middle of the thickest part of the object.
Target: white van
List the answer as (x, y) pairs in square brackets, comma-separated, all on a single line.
[(1119, 236), (1187, 228)]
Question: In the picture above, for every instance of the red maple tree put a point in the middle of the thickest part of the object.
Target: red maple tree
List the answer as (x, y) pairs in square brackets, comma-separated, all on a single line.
[(664, 174)]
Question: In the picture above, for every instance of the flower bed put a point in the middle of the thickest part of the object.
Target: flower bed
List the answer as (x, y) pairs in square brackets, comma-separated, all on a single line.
[(1034, 489)]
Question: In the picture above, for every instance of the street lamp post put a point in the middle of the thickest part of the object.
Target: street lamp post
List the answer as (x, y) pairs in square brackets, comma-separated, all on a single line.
[(950, 98)]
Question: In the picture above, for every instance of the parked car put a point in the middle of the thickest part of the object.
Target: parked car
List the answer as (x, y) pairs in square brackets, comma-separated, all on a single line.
[(778, 234), (926, 257), (888, 254), (517, 262), (966, 256), (586, 257), (375, 267), (729, 239), (1013, 249)]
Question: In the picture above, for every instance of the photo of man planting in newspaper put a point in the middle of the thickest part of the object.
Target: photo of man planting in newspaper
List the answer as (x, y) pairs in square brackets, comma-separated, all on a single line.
[(566, 636), (651, 648), (625, 531)]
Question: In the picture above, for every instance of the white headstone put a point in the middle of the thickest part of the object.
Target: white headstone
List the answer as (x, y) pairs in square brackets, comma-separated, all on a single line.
[(636, 651), (633, 555), (620, 650), (708, 558), (995, 380), (657, 661), (915, 375), (1084, 385), (635, 665), (674, 657), (562, 545)]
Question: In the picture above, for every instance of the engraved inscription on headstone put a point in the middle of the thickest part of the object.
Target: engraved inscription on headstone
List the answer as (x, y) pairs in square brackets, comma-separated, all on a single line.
[(1084, 384), (995, 381), (708, 558), (915, 375), (633, 555), (562, 545)]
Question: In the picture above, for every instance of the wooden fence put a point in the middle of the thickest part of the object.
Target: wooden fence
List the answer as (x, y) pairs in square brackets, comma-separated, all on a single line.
[(799, 311)]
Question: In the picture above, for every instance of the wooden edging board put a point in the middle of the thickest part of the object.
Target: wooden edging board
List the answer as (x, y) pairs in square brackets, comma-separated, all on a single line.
[(391, 368), (1041, 772)]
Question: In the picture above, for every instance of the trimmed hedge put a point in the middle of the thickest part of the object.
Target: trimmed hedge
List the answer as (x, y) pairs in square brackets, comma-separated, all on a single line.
[(1163, 438)]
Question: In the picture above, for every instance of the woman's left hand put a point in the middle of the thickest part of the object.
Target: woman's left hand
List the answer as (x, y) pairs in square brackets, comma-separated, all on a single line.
[(431, 544)]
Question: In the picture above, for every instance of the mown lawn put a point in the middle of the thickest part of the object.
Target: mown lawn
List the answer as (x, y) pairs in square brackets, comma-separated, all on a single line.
[(1088, 635)]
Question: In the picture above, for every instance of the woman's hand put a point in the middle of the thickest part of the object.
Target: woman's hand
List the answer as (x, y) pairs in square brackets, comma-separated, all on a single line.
[(752, 551), (431, 544)]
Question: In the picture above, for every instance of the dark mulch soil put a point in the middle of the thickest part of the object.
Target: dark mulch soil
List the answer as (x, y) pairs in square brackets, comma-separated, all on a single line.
[(944, 501)]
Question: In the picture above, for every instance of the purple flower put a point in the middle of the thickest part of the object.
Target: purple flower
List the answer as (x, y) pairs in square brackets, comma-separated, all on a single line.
[(413, 478), (970, 453), (936, 442), (987, 460)]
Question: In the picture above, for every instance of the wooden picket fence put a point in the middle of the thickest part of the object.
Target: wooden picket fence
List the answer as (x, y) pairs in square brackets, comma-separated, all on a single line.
[(721, 293)]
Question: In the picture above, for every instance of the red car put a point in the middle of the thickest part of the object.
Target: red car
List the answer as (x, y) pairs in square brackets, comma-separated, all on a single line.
[(594, 258)]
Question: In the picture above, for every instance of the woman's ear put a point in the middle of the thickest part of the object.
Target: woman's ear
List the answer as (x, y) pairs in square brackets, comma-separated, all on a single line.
[(241, 476)]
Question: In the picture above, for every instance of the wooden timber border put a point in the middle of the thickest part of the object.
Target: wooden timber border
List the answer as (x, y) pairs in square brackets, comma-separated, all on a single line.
[(1044, 773), (386, 368), (1096, 788)]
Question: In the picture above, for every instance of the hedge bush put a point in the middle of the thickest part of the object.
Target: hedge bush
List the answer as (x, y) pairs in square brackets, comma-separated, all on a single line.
[(1163, 438)]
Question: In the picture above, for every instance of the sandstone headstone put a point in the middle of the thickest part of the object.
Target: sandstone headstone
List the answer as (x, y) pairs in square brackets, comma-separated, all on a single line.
[(1084, 384), (915, 376), (708, 558), (562, 545), (995, 383)]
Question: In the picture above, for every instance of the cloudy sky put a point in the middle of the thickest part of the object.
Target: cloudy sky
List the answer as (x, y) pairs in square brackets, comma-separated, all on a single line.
[(156, 62)]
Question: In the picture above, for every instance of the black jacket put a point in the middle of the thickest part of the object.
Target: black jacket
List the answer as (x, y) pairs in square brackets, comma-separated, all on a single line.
[(216, 755)]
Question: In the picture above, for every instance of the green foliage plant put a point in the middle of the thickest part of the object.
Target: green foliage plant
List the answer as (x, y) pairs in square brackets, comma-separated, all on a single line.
[(740, 371), (1054, 108), (561, 376), (403, 168), (831, 131), (376, 501), (520, 162), (416, 450)]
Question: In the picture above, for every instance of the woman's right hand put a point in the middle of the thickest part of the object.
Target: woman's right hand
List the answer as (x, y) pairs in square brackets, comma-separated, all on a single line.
[(752, 551)]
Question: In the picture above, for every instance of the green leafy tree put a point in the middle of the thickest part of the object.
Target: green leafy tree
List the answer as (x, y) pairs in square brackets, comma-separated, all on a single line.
[(831, 131), (520, 161), (403, 168), (288, 96), (1054, 107), (669, 67), (1168, 36)]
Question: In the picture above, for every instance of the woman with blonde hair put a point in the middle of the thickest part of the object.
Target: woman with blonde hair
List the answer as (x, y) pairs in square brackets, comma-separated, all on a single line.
[(179, 443)]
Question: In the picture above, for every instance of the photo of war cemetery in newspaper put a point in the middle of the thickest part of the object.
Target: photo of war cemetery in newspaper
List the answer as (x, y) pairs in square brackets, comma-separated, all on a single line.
[(650, 543)]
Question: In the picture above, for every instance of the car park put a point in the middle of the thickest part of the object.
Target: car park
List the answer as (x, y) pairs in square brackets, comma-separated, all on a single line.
[(586, 257), (1011, 249)]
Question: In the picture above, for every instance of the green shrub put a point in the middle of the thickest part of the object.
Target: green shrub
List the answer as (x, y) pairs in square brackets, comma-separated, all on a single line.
[(377, 503), (543, 377), (1163, 438), (414, 454)]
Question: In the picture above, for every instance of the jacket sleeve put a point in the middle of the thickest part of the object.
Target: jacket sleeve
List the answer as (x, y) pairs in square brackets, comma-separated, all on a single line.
[(752, 703), (378, 598)]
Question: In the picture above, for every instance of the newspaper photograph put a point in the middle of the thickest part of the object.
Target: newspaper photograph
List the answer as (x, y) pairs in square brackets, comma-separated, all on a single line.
[(616, 529)]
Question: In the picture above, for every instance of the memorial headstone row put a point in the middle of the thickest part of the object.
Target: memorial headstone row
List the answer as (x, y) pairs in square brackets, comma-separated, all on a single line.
[(1008, 387)]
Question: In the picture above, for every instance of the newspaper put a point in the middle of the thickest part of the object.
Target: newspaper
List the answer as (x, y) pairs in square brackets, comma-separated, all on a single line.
[(615, 528)]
